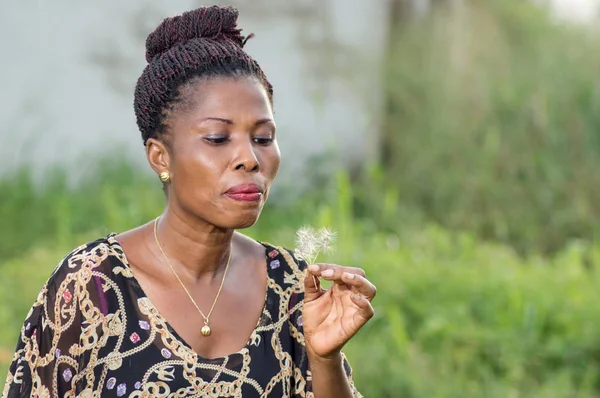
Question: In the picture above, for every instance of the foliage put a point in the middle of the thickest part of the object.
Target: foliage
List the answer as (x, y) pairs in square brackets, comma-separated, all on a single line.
[(111, 195), (493, 123)]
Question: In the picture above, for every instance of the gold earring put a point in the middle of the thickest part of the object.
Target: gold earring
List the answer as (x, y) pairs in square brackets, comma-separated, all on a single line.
[(164, 176)]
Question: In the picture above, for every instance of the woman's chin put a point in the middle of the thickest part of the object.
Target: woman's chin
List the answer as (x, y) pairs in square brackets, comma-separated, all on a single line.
[(246, 220)]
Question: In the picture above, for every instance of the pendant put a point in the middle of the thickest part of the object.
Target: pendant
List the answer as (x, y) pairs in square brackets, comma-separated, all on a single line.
[(205, 330)]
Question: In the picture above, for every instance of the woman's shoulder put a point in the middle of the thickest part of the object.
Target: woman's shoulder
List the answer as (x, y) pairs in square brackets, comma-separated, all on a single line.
[(281, 260), (284, 252), (284, 266), (101, 255), (82, 274)]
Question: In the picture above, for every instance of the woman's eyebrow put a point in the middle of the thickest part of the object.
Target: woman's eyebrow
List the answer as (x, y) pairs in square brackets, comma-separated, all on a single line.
[(228, 121), (217, 119)]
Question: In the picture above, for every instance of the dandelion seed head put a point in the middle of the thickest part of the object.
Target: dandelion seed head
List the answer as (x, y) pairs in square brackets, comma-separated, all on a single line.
[(306, 243), (327, 239), (310, 242)]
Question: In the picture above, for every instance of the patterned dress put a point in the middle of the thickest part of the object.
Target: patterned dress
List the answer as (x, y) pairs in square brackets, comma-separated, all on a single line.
[(92, 332)]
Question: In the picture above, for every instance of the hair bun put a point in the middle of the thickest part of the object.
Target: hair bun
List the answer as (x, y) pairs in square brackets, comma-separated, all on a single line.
[(214, 22)]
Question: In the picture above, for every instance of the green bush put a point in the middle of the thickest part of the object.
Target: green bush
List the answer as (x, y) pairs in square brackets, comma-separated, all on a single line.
[(112, 195), (493, 123)]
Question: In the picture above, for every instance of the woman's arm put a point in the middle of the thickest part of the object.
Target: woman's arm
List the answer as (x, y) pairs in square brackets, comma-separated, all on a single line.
[(44, 364), (331, 317), (329, 378)]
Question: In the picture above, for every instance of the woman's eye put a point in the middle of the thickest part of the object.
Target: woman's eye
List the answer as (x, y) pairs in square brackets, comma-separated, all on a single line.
[(216, 140), (263, 140)]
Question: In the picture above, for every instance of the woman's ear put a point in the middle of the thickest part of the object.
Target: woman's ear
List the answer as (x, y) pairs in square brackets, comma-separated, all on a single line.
[(158, 156)]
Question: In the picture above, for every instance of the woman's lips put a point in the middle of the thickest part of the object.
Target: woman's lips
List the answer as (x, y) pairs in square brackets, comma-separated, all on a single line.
[(245, 193), (245, 196)]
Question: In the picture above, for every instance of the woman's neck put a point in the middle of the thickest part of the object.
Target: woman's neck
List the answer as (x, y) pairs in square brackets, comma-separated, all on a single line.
[(196, 250)]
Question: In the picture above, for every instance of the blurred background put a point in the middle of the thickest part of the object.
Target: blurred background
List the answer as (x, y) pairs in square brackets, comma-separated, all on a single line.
[(453, 144)]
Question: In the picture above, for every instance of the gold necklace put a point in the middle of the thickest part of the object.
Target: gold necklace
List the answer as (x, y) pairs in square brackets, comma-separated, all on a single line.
[(206, 331)]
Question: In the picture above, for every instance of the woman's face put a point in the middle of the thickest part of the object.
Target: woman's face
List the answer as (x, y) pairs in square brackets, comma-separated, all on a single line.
[(223, 156)]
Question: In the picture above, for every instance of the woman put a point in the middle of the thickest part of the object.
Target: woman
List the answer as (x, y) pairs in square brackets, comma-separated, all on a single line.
[(184, 305)]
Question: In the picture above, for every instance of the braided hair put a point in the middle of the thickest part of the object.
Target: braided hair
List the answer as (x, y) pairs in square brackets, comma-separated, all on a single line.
[(200, 44)]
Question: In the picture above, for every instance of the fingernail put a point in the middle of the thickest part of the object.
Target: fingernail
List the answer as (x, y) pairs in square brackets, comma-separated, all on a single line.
[(328, 273), (349, 275), (313, 267)]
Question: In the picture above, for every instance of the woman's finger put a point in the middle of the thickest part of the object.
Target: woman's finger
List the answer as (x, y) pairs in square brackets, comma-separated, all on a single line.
[(359, 285), (336, 267), (355, 282), (333, 273), (366, 309), (312, 286)]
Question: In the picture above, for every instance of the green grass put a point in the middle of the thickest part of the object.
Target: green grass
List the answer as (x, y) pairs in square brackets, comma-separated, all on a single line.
[(455, 316)]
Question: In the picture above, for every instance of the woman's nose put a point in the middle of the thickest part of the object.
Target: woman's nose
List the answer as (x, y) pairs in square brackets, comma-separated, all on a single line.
[(247, 159)]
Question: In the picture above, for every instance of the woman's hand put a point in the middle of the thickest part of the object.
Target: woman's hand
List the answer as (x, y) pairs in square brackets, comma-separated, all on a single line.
[(331, 317)]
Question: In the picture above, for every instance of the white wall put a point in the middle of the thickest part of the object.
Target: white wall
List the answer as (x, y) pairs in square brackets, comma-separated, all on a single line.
[(585, 11), (69, 68)]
